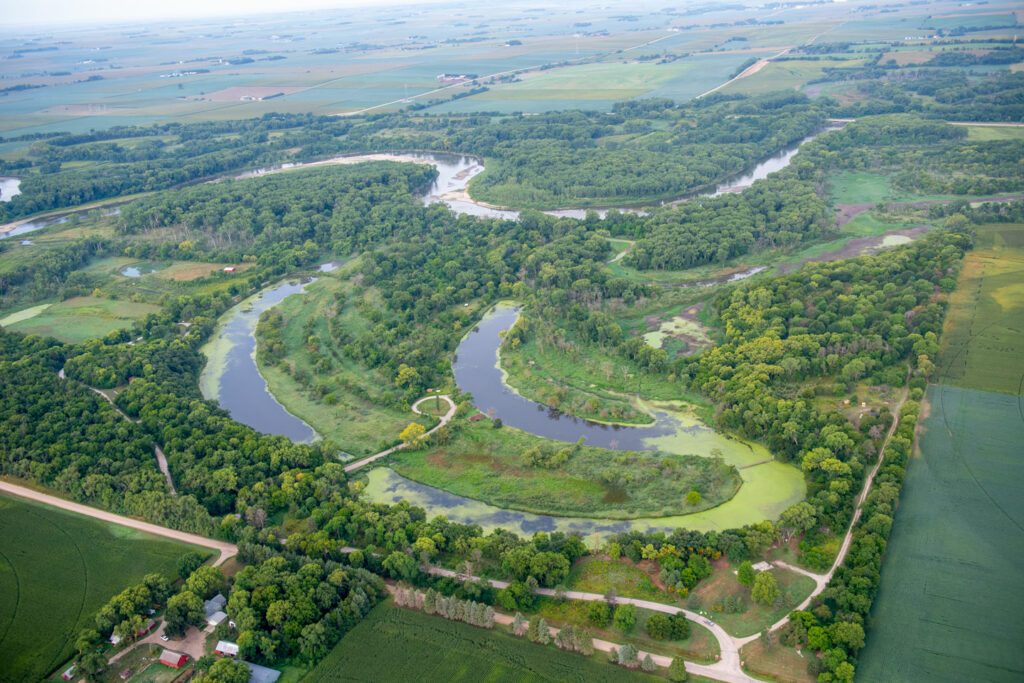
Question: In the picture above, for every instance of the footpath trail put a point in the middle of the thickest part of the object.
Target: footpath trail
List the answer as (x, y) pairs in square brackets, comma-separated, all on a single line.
[(445, 419), (822, 579), (226, 550), (161, 459)]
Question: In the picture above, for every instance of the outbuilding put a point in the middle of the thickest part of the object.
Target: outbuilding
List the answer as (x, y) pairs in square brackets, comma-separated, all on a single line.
[(261, 674), (173, 659), (69, 673), (225, 647)]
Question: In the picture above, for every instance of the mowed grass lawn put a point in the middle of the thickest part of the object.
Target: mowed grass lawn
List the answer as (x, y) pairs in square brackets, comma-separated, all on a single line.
[(83, 317), (983, 337), (393, 644), (56, 570), (950, 603)]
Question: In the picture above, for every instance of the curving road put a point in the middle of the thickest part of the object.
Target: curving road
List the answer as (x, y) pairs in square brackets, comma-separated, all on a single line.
[(226, 550), (727, 669), (445, 419)]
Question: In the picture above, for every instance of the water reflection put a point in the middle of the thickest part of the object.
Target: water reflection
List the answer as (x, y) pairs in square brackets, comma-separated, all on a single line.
[(233, 378)]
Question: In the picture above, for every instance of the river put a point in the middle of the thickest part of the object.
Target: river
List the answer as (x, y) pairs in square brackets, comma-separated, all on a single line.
[(232, 378), (454, 171)]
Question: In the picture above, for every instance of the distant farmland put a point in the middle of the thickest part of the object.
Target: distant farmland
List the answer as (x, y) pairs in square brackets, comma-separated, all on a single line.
[(949, 606), (56, 570)]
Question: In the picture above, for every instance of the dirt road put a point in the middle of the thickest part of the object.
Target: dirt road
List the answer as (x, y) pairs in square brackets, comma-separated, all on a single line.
[(226, 550)]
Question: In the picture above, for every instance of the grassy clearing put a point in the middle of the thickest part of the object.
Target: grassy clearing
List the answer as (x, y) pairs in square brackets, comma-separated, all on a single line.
[(713, 591), (984, 330), (355, 422), (949, 604), (776, 663), (989, 133), (492, 465), (56, 569), (701, 646), (393, 644), (84, 317), (598, 574), (184, 271), (785, 75)]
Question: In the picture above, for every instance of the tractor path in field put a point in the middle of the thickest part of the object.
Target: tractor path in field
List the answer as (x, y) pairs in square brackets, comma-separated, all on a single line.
[(226, 550), (445, 419)]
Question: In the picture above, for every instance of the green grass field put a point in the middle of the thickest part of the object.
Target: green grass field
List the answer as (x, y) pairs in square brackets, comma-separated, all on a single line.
[(597, 575), (713, 591), (776, 663), (486, 464), (700, 647), (83, 317), (949, 605), (983, 337), (989, 133), (785, 75), (393, 644), (56, 569)]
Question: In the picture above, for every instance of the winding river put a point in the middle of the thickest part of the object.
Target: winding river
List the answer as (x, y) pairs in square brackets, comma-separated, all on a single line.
[(232, 377)]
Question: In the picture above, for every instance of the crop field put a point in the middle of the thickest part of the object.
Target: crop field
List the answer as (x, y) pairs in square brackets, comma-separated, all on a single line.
[(984, 329), (393, 644), (785, 75), (949, 604), (83, 317), (56, 569), (597, 86)]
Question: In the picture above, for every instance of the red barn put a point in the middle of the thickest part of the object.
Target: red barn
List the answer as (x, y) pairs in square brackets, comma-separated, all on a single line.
[(174, 659)]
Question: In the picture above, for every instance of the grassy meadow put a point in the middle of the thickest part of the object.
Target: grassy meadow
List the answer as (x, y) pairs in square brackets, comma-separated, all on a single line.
[(393, 644), (83, 317), (713, 591), (984, 330), (949, 603), (487, 464), (56, 569)]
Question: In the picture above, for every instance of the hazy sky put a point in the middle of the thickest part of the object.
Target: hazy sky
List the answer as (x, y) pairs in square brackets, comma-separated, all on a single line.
[(49, 12)]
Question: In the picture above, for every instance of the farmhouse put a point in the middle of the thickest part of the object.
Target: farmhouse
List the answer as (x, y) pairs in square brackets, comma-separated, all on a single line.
[(261, 674), (226, 648), (214, 605), (216, 618), (173, 659)]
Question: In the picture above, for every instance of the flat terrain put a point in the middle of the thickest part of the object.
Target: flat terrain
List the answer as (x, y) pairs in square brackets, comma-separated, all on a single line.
[(984, 331), (949, 606), (83, 317), (56, 569), (393, 644)]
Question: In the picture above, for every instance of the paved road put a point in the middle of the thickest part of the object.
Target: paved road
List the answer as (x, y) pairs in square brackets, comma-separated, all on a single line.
[(226, 550), (445, 419)]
